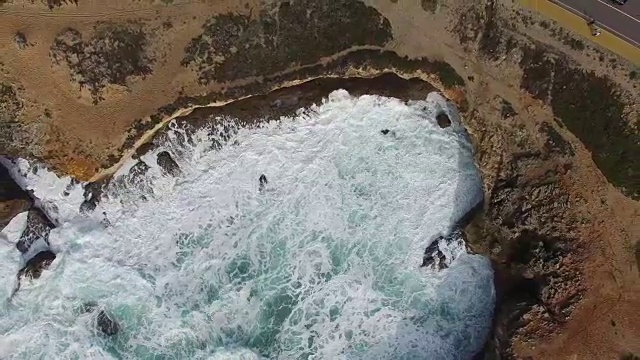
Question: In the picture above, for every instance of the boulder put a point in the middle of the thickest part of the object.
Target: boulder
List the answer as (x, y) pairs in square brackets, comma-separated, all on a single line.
[(434, 257), (263, 182), (34, 267), (105, 324), (167, 164), (443, 120), (38, 228)]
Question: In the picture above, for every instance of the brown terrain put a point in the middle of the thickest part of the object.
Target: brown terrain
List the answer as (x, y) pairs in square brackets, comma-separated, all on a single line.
[(86, 84)]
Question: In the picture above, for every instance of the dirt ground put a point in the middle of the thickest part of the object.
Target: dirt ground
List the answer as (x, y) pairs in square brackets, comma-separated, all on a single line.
[(552, 116)]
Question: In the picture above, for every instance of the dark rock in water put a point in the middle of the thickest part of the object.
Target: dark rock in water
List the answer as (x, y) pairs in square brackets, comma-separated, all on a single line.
[(137, 172), (443, 120), (168, 165), (387, 131), (433, 256), (38, 227), (87, 206), (105, 324), (92, 194), (34, 267), (430, 253), (263, 182)]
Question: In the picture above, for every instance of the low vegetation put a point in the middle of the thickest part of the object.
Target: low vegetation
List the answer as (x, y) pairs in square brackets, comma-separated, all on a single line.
[(111, 56), (236, 46)]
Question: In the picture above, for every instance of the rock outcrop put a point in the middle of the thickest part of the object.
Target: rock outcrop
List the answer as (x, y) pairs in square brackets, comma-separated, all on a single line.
[(36, 264), (167, 164), (38, 228), (105, 324), (102, 321), (13, 200)]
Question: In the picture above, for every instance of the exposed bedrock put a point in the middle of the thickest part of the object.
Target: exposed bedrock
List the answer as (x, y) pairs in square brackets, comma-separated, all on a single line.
[(528, 229)]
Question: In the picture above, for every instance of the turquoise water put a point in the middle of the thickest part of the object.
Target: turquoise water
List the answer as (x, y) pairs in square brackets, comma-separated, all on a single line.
[(322, 264)]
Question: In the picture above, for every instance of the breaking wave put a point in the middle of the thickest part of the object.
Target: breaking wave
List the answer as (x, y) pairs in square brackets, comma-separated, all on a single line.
[(321, 263)]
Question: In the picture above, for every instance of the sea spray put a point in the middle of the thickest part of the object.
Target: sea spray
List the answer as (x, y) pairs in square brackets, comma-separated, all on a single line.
[(323, 263)]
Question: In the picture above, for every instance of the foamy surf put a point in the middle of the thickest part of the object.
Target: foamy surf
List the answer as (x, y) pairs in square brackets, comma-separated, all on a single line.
[(324, 263)]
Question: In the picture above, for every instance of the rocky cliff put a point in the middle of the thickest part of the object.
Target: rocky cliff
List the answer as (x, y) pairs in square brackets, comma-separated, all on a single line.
[(554, 125)]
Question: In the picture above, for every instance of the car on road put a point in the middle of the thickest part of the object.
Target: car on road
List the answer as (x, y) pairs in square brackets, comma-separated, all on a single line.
[(619, 2)]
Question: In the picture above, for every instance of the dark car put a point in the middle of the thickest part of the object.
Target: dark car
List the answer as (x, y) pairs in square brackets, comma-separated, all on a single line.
[(619, 2)]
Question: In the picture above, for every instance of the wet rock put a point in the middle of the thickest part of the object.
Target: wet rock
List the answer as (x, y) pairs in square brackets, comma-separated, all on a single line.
[(388, 132), (106, 325), (34, 267), (434, 257), (443, 120), (92, 194), (263, 182), (38, 228), (167, 164), (102, 321), (13, 200), (21, 40)]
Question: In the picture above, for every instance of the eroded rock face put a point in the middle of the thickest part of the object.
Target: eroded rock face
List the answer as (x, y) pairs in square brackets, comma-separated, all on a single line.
[(527, 228), (13, 200), (573, 93)]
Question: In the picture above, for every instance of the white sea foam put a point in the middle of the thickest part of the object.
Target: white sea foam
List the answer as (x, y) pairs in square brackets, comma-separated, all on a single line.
[(323, 264)]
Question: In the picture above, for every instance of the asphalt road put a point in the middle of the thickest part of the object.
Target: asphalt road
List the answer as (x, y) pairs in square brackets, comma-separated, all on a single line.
[(622, 20)]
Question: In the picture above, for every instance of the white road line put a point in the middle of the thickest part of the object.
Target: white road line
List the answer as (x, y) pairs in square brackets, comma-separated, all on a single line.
[(602, 25), (618, 34), (618, 10)]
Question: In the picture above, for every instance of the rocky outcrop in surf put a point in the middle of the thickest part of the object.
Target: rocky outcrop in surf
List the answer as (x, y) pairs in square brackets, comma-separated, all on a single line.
[(102, 321)]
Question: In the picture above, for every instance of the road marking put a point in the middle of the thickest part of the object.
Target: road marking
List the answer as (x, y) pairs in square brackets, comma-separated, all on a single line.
[(631, 41), (609, 29), (618, 10)]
